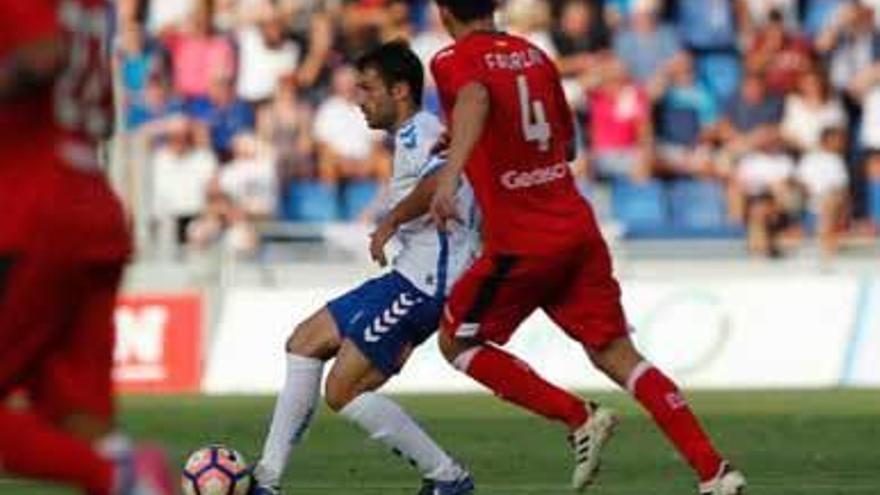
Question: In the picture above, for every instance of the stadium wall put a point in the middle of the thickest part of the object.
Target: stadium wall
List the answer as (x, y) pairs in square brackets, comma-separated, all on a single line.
[(783, 332)]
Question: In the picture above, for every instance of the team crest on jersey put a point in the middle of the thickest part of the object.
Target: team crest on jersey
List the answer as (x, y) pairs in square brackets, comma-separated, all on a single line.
[(409, 137)]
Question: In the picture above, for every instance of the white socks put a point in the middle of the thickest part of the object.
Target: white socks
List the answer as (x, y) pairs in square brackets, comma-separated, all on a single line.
[(294, 408), (379, 416), (386, 422)]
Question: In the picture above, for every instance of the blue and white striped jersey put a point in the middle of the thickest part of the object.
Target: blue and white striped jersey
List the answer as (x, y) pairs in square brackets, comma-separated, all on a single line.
[(431, 260)]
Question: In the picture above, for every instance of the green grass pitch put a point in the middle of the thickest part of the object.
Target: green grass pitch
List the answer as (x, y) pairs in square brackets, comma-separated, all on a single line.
[(804, 443)]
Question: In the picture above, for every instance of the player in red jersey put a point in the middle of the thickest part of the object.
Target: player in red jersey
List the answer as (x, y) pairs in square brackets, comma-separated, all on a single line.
[(63, 245), (511, 133)]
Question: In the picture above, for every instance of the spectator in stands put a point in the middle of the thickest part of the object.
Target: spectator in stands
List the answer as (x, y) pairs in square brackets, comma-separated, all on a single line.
[(620, 126), (432, 39), (760, 11), (532, 20), (687, 111), (265, 55), (645, 45), (312, 20), (286, 123), (358, 29), (710, 25), (198, 54), (426, 44), (782, 57), (874, 5), (223, 113), (712, 30), (396, 23), (751, 118), (809, 111), (617, 12), (250, 179), (822, 173), (866, 89), (818, 15), (165, 15), (347, 148), (138, 58), (157, 103), (761, 193), (223, 222), (580, 40), (183, 166), (851, 43)]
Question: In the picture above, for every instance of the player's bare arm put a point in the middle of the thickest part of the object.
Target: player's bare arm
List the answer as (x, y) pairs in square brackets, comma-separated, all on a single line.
[(31, 68), (469, 117), (414, 205)]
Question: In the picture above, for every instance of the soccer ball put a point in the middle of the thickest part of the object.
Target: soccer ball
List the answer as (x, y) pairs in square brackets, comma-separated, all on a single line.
[(216, 470)]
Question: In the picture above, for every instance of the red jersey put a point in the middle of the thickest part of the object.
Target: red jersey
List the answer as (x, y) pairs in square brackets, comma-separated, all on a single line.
[(74, 117), (519, 168), (26, 130), (84, 92)]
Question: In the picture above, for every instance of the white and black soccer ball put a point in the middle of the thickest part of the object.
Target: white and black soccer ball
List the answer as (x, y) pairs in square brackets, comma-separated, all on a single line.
[(216, 470)]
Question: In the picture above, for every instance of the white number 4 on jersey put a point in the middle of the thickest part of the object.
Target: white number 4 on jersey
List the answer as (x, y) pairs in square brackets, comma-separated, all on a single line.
[(537, 128)]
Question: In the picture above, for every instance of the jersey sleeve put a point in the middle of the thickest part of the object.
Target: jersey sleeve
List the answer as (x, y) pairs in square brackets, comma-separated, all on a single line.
[(430, 132), (451, 73)]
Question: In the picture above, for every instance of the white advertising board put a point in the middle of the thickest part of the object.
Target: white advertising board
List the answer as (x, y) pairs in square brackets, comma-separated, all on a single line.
[(740, 333)]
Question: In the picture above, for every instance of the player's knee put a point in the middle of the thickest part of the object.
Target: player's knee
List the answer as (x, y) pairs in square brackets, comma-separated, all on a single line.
[(448, 346), (309, 340), (338, 394), (616, 359)]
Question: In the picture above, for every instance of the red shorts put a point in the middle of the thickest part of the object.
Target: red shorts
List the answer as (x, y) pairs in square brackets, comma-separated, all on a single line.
[(62, 249), (576, 288)]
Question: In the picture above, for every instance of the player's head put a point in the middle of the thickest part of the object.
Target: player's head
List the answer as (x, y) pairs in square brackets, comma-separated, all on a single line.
[(457, 14), (390, 83)]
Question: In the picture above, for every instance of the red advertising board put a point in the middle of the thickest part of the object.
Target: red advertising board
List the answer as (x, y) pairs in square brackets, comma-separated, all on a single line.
[(158, 343)]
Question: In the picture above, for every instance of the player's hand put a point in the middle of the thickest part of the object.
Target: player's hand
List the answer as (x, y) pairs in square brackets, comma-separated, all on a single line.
[(443, 205), (378, 239)]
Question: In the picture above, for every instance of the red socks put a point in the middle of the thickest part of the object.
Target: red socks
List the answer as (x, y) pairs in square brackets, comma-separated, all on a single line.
[(32, 448), (670, 411), (513, 380)]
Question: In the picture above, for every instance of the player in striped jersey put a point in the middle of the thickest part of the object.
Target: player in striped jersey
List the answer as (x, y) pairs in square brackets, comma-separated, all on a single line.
[(371, 330)]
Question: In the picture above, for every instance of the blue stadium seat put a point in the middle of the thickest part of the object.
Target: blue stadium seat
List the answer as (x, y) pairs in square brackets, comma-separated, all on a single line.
[(721, 73), (641, 207), (699, 210), (356, 196), (874, 200), (697, 204), (312, 202)]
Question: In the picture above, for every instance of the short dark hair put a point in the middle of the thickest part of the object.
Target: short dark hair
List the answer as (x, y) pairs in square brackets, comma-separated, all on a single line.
[(396, 63), (469, 10)]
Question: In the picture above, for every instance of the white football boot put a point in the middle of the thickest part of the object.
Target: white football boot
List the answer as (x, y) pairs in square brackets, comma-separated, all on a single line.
[(587, 442), (728, 481)]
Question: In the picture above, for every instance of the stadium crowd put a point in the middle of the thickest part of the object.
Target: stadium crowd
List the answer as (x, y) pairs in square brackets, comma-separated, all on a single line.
[(699, 117)]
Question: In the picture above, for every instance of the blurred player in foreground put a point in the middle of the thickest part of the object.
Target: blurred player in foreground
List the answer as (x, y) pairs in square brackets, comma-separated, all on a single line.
[(63, 246), (371, 330), (512, 134)]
